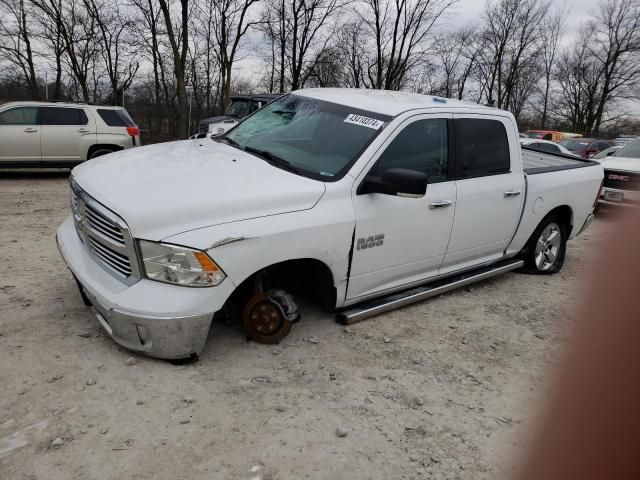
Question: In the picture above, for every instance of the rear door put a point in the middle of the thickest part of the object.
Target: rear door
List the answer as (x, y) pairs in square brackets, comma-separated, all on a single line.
[(19, 135), (66, 132), (400, 240), (490, 190)]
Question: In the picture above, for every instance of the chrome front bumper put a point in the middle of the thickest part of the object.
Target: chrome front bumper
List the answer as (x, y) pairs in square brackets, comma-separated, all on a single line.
[(161, 337), (152, 318)]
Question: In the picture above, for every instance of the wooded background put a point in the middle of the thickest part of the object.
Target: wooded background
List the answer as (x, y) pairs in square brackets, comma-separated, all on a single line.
[(161, 56)]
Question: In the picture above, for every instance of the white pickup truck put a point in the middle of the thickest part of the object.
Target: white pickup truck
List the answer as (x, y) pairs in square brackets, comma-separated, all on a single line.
[(363, 200)]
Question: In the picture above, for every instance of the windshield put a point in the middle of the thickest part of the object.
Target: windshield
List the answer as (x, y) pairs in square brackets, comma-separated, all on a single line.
[(630, 150), (317, 138), (239, 108), (574, 145)]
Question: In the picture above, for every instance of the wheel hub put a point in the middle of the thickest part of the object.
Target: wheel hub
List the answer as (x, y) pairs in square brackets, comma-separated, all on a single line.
[(265, 320), (548, 247)]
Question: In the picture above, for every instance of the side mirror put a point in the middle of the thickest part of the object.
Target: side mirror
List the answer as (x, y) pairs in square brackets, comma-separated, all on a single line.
[(396, 181), (610, 153)]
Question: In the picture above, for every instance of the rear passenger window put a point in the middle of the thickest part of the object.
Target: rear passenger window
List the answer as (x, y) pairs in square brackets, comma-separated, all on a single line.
[(19, 116), (482, 147), (421, 146), (546, 147), (115, 118), (62, 116)]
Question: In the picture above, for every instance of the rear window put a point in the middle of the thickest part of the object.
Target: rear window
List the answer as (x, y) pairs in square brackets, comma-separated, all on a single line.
[(116, 118), (574, 145), (630, 150), (546, 147), (531, 134), (482, 147), (62, 116)]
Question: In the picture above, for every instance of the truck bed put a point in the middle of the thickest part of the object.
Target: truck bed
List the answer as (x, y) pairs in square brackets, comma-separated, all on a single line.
[(536, 161)]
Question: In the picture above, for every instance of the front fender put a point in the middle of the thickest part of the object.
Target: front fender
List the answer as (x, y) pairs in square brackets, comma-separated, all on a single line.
[(243, 248)]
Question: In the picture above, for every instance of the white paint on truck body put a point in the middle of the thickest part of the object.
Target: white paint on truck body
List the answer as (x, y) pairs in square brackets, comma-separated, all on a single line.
[(201, 194)]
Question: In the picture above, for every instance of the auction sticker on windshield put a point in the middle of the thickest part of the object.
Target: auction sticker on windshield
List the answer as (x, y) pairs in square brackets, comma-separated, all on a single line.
[(364, 121)]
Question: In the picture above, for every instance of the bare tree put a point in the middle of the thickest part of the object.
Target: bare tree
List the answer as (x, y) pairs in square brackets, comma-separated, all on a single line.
[(179, 42), (616, 45), (204, 25), (399, 29), (351, 50), (147, 33), (456, 53), (16, 41), (50, 38), (298, 32), (510, 43), (578, 75), (77, 31), (113, 30), (551, 30), (230, 25)]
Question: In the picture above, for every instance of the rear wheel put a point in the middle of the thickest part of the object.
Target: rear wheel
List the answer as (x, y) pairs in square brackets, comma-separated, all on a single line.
[(546, 250), (98, 152)]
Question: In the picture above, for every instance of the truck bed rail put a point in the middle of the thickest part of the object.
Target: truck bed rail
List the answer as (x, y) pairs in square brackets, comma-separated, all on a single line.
[(538, 161)]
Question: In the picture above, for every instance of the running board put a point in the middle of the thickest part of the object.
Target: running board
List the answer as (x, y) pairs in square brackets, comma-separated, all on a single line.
[(371, 308)]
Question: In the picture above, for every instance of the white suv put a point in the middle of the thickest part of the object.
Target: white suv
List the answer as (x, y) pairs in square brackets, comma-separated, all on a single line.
[(62, 134)]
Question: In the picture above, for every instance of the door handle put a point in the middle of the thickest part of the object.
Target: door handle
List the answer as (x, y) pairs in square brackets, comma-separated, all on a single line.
[(83, 130), (512, 193), (440, 204), (31, 130)]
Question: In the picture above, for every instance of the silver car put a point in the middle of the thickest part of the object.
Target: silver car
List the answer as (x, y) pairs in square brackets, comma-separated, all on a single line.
[(40, 134)]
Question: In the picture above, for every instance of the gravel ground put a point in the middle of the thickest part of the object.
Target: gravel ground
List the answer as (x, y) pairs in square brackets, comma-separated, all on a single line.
[(445, 389)]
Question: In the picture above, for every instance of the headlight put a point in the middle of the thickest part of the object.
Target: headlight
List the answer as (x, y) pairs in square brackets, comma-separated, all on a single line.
[(179, 265)]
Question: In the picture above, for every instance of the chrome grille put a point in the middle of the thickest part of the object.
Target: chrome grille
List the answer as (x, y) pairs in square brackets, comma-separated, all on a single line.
[(101, 224), (105, 235)]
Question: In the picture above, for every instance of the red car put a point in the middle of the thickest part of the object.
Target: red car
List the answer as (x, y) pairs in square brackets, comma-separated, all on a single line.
[(586, 147)]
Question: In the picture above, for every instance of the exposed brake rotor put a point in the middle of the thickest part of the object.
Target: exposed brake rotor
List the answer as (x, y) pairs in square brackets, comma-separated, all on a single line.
[(268, 317)]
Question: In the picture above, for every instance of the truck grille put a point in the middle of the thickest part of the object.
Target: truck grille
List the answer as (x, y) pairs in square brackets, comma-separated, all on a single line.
[(621, 180), (105, 235)]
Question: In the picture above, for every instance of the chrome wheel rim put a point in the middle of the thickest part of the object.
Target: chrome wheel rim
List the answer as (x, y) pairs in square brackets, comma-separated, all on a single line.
[(548, 247)]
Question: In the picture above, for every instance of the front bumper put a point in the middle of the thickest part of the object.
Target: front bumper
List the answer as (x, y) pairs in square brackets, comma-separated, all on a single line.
[(153, 318)]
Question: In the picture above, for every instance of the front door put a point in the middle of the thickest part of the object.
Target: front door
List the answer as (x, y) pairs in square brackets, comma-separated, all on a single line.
[(400, 240), (19, 135)]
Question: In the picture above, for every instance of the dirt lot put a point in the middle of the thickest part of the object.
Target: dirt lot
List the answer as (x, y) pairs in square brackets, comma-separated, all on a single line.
[(442, 389)]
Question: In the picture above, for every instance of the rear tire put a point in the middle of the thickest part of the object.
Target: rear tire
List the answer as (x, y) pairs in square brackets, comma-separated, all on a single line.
[(98, 152), (546, 249)]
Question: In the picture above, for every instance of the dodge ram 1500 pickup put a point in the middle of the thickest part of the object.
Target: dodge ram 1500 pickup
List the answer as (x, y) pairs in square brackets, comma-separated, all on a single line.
[(363, 200)]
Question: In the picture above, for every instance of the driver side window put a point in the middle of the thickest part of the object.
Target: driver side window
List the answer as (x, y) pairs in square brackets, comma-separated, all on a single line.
[(421, 146)]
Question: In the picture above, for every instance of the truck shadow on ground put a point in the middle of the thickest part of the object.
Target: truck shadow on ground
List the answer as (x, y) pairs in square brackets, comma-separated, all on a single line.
[(23, 174)]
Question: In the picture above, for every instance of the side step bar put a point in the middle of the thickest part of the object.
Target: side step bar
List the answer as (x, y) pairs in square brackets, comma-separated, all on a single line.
[(375, 307)]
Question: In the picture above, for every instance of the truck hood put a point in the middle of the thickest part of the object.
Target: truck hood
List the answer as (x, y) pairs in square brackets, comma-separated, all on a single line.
[(169, 188), (622, 163)]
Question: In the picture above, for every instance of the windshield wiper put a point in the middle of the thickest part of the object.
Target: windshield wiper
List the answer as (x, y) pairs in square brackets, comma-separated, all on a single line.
[(273, 159), (229, 141)]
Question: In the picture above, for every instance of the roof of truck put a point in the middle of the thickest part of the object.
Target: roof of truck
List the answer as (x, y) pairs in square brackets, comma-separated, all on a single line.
[(386, 102), (34, 103), (257, 96)]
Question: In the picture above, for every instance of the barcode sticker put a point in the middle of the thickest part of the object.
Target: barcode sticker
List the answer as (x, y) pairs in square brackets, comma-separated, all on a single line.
[(364, 121)]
